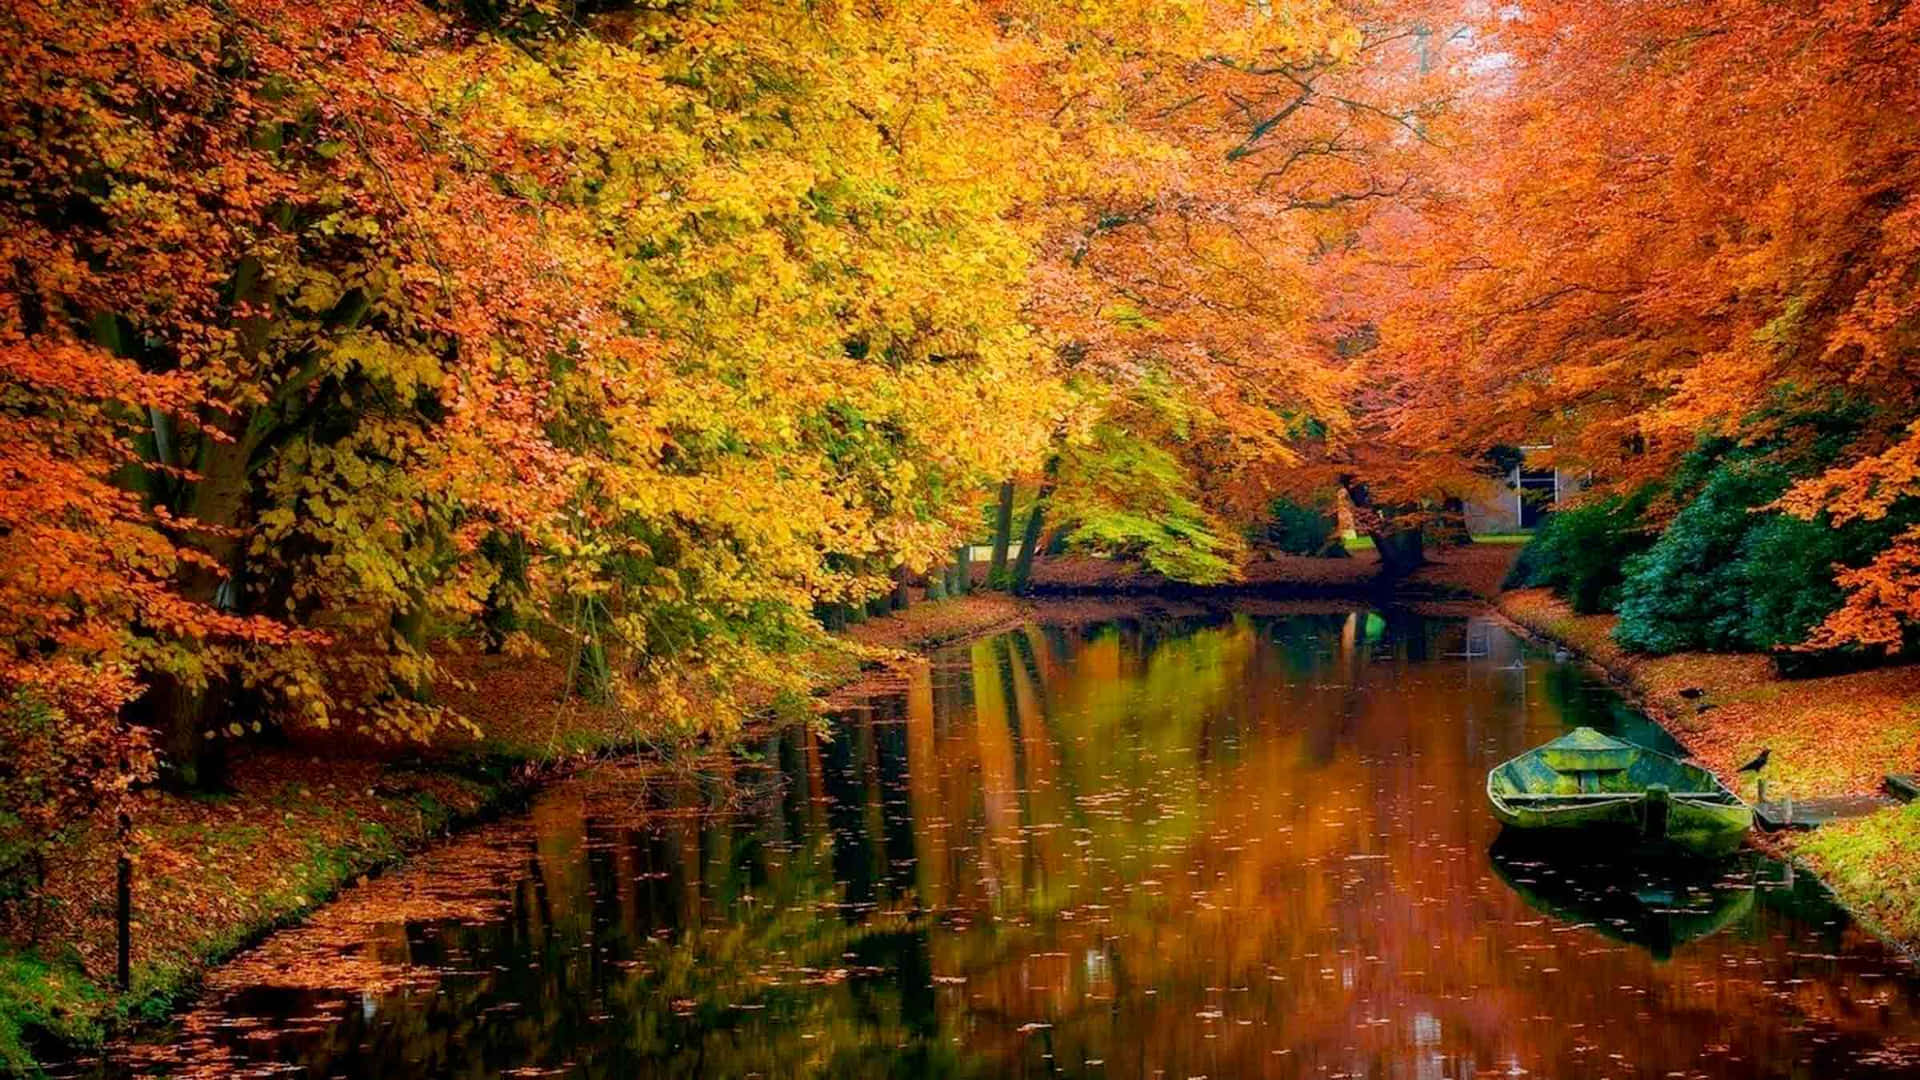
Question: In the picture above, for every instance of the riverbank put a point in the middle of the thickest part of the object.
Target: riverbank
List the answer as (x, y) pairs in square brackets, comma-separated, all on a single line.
[(1451, 573), (980, 873), (1837, 734), (303, 819)]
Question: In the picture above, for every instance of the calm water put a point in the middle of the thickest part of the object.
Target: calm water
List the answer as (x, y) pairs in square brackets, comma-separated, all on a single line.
[(1242, 846)]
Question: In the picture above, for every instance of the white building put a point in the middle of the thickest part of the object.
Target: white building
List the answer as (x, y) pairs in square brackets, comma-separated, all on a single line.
[(1527, 494)]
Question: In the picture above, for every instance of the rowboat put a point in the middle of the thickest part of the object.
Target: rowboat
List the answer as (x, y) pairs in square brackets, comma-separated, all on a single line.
[(1633, 796)]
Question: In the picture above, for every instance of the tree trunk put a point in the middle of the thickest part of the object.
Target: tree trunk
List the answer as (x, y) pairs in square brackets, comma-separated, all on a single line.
[(1402, 551), (1452, 530), (962, 570), (591, 671), (123, 901), (881, 603), (594, 675), (1030, 539), (186, 713), (409, 624), (1002, 537), (832, 617), (900, 596), (498, 616)]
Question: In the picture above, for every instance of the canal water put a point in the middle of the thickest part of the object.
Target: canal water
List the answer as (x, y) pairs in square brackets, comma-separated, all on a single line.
[(1236, 846)]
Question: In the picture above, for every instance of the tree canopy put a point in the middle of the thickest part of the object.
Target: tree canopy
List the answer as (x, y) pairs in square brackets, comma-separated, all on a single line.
[(635, 333)]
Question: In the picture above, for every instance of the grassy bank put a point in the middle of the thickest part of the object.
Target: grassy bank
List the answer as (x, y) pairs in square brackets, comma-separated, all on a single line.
[(1831, 735), (212, 874), (300, 820)]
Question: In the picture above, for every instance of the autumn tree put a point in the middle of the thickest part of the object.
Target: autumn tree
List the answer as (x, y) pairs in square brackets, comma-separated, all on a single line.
[(258, 209), (1205, 158), (1659, 221), (656, 327)]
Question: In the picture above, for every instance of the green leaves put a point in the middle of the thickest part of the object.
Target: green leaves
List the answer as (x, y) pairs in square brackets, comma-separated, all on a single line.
[(1127, 497)]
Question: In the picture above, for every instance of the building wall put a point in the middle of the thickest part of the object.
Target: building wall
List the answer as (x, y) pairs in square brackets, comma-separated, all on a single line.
[(1498, 514), (1504, 513)]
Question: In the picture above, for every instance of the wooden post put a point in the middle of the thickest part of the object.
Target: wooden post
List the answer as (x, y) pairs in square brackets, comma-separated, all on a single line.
[(123, 912)]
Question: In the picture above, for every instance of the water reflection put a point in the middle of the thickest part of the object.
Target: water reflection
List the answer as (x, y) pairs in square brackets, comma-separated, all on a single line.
[(1238, 846), (1655, 905)]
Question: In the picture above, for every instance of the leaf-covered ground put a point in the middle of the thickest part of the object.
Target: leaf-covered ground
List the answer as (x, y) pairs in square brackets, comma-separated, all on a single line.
[(211, 874), (1829, 736), (305, 818)]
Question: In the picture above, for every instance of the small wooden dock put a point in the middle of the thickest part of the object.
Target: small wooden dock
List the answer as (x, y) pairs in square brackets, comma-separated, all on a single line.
[(1789, 813)]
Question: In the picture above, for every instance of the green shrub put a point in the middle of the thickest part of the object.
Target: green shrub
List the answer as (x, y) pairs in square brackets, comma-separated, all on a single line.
[(1300, 529), (1788, 566), (1728, 577), (1689, 590), (44, 999), (1579, 552)]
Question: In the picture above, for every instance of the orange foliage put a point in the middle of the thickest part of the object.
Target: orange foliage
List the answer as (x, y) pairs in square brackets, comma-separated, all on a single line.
[(1661, 219)]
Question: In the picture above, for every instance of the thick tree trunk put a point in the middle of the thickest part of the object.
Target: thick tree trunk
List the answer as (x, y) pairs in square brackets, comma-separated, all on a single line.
[(962, 571), (184, 713), (1452, 529), (593, 673), (900, 596), (832, 617), (123, 914), (186, 717), (1002, 538), (1030, 539), (880, 603), (498, 618), (1402, 551)]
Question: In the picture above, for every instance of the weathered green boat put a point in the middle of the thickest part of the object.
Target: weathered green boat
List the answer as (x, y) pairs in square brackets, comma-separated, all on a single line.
[(1632, 796)]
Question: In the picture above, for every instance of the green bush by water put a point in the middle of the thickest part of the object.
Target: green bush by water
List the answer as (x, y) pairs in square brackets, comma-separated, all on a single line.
[(1300, 529), (1579, 552), (1729, 576), (1725, 574), (1690, 589)]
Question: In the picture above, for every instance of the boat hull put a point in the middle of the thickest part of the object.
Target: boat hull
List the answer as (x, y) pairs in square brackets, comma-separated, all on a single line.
[(1708, 830), (1622, 795)]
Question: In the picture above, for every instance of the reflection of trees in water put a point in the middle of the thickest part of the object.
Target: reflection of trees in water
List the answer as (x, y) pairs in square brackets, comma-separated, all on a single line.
[(1585, 702)]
